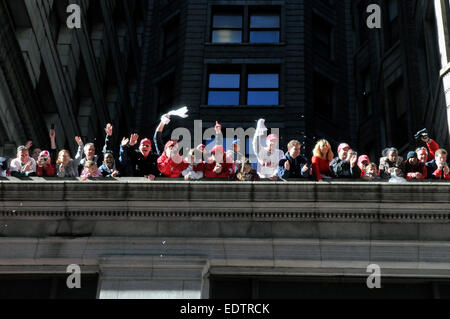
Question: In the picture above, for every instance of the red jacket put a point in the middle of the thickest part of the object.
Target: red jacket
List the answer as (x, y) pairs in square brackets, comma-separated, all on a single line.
[(437, 173), (50, 171), (432, 147), (227, 168), (169, 168), (320, 167)]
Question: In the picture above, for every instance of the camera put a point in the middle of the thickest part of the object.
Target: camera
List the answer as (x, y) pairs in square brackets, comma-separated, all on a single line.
[(423, 133)]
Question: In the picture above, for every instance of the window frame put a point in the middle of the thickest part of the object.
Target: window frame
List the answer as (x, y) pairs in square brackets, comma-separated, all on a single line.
[(274, 11), (246, 12), (244, 70), (230, 10)]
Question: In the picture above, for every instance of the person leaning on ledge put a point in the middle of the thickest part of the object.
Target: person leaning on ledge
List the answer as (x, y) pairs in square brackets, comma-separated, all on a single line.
[(293, 165), (345, 164)]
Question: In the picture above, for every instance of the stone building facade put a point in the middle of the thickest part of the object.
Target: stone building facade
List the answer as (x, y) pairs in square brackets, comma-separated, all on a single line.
[(287, 61), (400, 74), (76, 79)]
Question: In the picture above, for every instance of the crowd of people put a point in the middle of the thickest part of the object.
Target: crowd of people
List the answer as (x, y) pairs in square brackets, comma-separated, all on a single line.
[(139, 158)]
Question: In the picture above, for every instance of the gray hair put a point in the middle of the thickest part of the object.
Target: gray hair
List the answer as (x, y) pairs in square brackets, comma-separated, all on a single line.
[(22, 148)]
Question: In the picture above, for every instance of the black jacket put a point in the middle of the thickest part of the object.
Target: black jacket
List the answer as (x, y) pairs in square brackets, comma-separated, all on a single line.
[(343, 169)]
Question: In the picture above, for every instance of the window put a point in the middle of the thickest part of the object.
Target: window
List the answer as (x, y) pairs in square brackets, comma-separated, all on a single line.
[(170, 38), (224, 89), (262, 25), (322, 37), (264, 28), (263, 89), (323, 96), (227, 27), (244, 85)]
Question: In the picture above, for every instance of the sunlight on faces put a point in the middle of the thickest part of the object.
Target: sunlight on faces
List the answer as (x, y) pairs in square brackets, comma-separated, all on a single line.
[(393, 156), (64, 157), (295, 151), (145, 148), (422, 155), (109, 160), (89, 151), (371, 169), (23, 156), (441, 158)]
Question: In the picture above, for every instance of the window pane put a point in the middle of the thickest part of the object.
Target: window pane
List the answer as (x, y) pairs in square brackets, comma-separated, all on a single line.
[(262, 98), (227, 21), (224, 81), (227, 36), (223, 98), (265, 36), (263, 81), (265, 21)]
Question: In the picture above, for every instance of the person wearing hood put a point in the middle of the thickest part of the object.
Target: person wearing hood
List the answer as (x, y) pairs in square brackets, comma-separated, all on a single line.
[(413, 168), (293, 165), (219, 165), (345, 164)]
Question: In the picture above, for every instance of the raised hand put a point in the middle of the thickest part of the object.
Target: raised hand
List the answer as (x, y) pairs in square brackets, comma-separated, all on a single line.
[(134, 139), (52, 134), (79, 140), (218, 128), (28, 145), (109, 129), (124, 142)]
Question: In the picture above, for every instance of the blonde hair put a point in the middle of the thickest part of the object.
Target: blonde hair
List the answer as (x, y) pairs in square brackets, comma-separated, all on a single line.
[(90, 164), (441, 152), (293, 143), (317, 150), (61, 153)]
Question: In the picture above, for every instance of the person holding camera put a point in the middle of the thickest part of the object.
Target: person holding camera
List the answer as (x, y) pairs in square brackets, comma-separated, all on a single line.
[(345, 164), (432, 146), (45, 164), (438, 167)]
